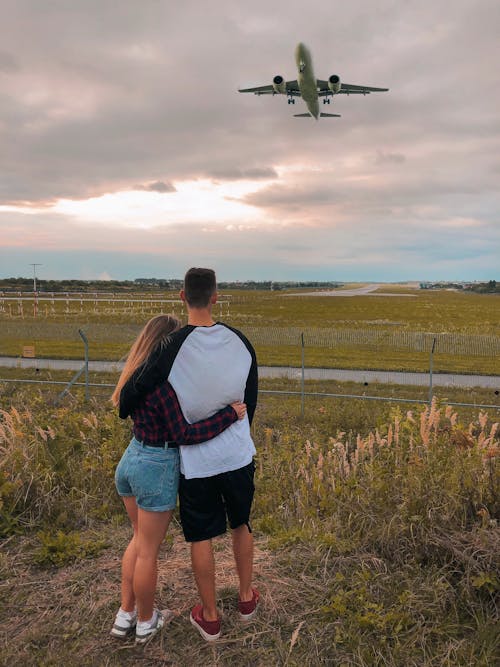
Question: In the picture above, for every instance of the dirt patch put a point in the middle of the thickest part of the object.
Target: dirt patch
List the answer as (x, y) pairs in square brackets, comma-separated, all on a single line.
[(63, 616)]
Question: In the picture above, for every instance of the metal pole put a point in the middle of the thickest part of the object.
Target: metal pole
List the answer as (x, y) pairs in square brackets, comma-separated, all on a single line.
[(430, 369), (303, 377), (35, 300), (34, 275), (86, 363)]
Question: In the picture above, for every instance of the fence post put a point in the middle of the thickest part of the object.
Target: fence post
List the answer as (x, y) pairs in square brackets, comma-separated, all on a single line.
[(86, 363), (83, 369), (302, 378), (430, 369)]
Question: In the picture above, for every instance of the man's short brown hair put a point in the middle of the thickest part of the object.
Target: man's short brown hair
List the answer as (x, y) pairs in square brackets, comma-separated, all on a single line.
[(199, 287)]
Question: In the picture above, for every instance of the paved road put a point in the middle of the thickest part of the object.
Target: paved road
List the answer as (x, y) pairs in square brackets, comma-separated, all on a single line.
[(380, 377), (357, 291), (367, 290)]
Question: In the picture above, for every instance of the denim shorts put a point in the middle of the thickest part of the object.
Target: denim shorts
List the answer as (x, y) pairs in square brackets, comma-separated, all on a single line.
[(151, 474)]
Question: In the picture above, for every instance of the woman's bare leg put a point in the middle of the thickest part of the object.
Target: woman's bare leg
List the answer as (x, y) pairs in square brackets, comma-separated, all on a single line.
[(129, 558), (151, 529)]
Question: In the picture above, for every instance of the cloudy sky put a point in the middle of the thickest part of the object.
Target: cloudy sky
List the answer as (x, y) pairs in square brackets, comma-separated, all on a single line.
[(126, 150)]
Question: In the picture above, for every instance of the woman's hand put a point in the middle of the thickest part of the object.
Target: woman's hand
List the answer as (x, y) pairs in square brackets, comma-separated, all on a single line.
[(240, 409)]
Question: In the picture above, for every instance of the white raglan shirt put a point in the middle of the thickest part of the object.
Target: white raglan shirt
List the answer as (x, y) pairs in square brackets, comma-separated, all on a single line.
[(209, 372)]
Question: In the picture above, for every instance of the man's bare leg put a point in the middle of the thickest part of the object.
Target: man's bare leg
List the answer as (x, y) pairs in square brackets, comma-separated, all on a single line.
[(203, 564), (243, 556)]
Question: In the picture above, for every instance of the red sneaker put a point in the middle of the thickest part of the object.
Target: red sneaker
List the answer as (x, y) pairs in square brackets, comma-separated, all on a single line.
[(209, 630), (249, 609)]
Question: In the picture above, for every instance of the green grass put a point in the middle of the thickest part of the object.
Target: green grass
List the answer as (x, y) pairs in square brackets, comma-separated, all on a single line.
[(436, 311), (376, 530), (316, 398), (415, 310), (271, 317), (376, 523)]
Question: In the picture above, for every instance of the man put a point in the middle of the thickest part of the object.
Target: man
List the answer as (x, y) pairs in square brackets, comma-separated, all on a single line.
[(212, 365)]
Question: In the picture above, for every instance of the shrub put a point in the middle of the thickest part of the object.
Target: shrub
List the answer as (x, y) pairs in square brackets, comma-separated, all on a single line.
[(60, 548)]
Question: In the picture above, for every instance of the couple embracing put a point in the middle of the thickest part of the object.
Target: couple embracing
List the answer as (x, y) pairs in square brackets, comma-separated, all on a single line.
[(191, 393)]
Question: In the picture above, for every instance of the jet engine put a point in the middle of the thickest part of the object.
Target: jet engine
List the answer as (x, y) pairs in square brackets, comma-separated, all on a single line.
[(334, 83), (279, 84)]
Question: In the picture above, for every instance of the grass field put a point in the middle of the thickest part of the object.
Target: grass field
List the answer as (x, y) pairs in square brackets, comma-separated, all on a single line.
[(376, 530), (269, 317), (376, 523), (315, 392)]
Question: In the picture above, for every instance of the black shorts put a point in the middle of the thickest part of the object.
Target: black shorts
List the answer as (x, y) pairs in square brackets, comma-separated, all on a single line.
[(205, 502)]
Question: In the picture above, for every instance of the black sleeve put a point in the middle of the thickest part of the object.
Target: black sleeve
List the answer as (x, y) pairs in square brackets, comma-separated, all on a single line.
[(152, 373), (252, 386)]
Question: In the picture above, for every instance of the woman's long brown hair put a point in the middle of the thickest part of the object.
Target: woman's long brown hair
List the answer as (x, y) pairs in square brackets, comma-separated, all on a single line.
[(155, 333)]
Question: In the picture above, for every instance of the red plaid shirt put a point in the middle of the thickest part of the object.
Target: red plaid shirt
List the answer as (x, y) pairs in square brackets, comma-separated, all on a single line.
[(159, 418)]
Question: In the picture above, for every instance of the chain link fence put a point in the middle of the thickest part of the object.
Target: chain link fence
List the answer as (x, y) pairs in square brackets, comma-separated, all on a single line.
[(449, 343), (376, 348)]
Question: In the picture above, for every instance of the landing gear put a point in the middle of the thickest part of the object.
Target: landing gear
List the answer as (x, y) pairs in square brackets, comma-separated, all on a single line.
[(291, 100), (326, 100)]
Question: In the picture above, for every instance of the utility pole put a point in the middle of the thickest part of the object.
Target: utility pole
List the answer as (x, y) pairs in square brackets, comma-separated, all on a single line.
[(34, 275), (35, 296)]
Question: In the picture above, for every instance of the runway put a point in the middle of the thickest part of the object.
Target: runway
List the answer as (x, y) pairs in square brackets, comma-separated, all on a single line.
[(367, 290)]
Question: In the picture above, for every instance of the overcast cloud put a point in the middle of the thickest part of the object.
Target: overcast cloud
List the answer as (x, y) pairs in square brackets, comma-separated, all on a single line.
[(99, 98)]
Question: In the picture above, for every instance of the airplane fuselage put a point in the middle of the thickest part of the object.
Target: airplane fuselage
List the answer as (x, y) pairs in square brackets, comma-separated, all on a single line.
[(309, 88), (306, 79)]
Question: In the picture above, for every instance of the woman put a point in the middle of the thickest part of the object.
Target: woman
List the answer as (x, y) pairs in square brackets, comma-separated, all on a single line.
[(147, 476)]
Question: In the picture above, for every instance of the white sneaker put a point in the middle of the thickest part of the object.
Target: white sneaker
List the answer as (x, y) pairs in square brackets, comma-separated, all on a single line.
[(124, 625), (145, 631)]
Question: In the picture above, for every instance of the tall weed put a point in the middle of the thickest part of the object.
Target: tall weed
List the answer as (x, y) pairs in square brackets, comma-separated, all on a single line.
[(57, 463), (387, 527), (418, 473)]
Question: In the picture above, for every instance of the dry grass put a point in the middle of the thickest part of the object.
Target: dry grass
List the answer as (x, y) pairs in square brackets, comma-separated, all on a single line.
[(62, 616), (383, 548), (273, 313)]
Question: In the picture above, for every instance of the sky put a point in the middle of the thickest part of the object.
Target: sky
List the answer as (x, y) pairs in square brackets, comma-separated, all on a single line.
[(127, 152)]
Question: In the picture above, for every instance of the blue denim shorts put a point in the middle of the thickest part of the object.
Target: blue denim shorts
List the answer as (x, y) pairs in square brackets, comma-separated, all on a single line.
[(151, 474)]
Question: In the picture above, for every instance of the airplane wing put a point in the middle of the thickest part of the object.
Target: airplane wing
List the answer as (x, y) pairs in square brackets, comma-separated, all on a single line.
[(348, 89), (292, 88)]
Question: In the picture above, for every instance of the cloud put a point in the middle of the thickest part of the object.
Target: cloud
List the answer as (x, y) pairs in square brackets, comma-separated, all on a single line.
[(157, 186), (384, 158), (7, 62), (241, 174), (360, 252), (95, 101)]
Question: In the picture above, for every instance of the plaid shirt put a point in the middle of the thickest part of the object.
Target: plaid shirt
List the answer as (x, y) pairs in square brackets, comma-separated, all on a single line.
[(159, 418)]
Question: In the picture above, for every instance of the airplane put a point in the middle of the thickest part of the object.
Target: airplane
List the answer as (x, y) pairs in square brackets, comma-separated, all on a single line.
[(310, 88)]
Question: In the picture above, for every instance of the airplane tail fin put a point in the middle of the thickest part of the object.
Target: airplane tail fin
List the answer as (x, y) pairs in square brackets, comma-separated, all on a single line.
[(322, 115)]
